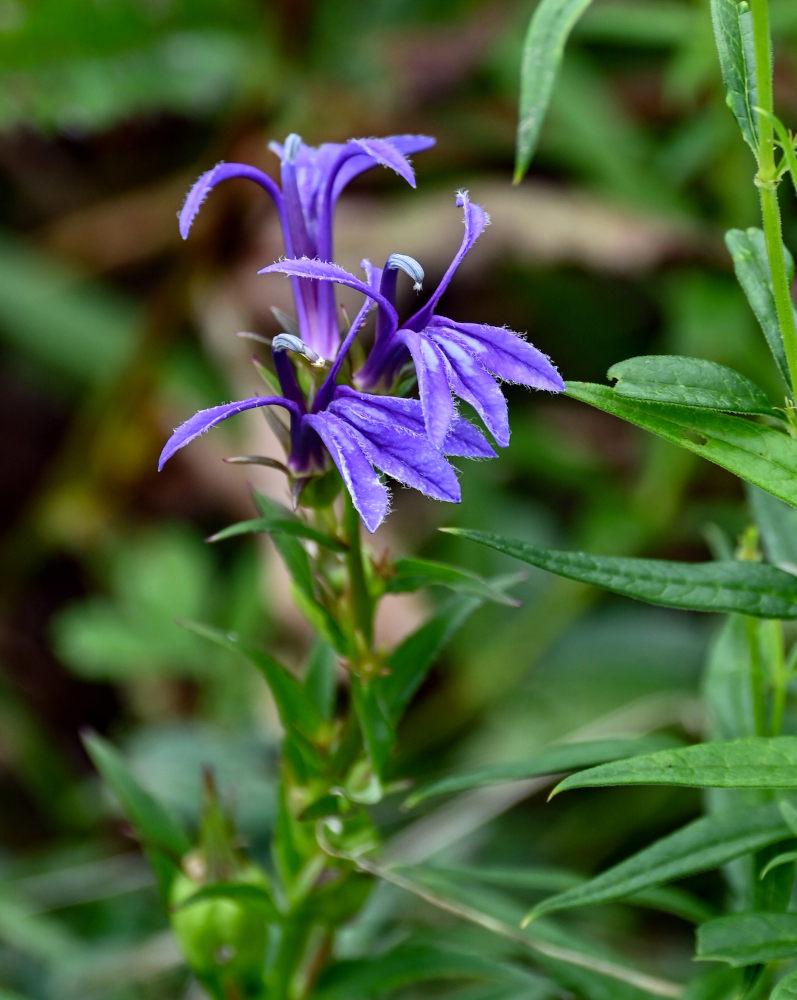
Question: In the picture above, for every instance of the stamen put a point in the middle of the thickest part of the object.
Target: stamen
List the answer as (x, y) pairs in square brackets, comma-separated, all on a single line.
[(288, 342), (409, 265), (291, 148)]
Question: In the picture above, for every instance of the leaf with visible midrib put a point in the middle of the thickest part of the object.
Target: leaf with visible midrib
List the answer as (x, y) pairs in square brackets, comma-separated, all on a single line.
[(764, 456), (732, 31), (699, 846), (543, 47), (745, 587), (752, 762), (694, 382)]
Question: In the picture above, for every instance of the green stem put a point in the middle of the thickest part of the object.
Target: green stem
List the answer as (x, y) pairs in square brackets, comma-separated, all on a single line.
[(362, 605), (767, 183)]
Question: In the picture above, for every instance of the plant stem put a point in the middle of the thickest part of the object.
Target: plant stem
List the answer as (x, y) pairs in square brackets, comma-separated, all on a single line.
[(362, 605), (767, 183), (757, 680)]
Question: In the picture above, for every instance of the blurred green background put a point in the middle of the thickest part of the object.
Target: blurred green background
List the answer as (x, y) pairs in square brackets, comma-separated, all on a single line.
[(112, 331)]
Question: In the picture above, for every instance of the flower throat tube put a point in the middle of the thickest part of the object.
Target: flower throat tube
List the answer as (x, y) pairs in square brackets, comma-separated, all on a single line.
[(365, 427)]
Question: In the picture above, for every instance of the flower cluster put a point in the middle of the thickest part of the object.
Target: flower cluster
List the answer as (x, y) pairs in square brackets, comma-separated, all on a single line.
[(362, 428)]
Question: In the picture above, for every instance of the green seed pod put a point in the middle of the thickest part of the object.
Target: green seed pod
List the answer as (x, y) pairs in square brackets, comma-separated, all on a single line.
[(224, 940)]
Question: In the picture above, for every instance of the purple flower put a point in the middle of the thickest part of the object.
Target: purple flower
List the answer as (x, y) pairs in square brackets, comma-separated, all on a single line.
[(311, 182), (450, 358), (361, 433)]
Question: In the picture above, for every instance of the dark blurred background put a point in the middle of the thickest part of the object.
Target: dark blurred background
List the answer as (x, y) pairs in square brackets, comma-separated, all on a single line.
[(112, 331)]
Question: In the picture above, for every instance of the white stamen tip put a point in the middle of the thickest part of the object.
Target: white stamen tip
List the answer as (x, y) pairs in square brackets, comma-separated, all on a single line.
[(409, 265), (291, 149)]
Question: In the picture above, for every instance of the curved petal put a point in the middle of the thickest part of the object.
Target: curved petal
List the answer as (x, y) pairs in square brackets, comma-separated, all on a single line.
[(434, 389), (368, 494), (472, 383), (475, 221), (398, 451), (205, 419), (222, 172), (321, 270), (464, 439), (392, 151), (505, 353)]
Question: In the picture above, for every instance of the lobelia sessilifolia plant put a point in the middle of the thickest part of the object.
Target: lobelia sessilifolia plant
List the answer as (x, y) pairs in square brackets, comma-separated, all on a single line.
[(346, 418), (348, 423)]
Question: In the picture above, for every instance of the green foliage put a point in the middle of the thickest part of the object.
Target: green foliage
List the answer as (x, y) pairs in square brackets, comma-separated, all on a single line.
[(751, 762), (543, 47), (748, 938), (744, 587), (733, 34)]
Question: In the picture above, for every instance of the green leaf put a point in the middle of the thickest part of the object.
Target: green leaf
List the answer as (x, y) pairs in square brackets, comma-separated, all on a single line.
[(543, 47), (752, 762), (295, 707), (777, 522), (746, 587), (786, 989), (375, 724), (733, 35), (785, 858), (280, 525), (321, 677), (254, 896), (748, 938), (669, 378), (699, 846), (412, 574), (162, 836), (297, 563), (549, 760), (761, 455), (751, 263), (409, 662)]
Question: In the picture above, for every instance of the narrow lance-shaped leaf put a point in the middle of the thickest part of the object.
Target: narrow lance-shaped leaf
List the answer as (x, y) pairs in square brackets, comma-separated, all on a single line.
[(745, 587), (764, 456), (777, 522), (543, 47), (699, 846), (409, 663), (694, 382), (733, 35), (162, 836), (752, 762), (549, 760), (750, 262), (412, 574), (375, 725), (295, 706), (748, 938), (276, 526)]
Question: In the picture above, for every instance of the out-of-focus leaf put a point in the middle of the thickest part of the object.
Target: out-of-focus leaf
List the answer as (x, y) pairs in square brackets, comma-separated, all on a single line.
[(412, 574), (162, 836), (726, 683), (699, 846), (296, 709), (81, 332), (297, 563), (749, 588), (748, 250), (543, 47), (409, 662), (751, 762), (733, 34), (549, 760), (786, 989), (761, 455), (416, 963), (777, 522), (375, 725), (668, 378), (280, 525), (320, 677), (748, 938)]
